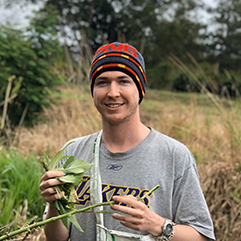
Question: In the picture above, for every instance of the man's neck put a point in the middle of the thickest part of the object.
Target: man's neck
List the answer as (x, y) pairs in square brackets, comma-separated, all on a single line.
[(123, 137)]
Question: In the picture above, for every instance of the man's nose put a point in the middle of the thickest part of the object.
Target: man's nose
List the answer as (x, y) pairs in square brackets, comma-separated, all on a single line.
[(113, 90)]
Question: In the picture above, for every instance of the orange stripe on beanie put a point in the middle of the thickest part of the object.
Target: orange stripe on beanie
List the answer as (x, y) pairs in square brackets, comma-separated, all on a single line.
[(119, 57)]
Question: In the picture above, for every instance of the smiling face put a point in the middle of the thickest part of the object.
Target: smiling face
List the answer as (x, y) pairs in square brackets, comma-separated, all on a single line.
[(116, 97)]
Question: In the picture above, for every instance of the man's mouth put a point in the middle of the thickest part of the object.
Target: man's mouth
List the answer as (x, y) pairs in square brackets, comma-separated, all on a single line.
[(113, 105)]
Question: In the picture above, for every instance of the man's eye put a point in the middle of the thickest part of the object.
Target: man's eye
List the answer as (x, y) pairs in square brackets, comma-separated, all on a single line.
[(102, 82), (124, 81)]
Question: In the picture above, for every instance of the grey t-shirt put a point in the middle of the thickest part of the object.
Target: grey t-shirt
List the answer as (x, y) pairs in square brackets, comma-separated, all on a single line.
[(157, 160)]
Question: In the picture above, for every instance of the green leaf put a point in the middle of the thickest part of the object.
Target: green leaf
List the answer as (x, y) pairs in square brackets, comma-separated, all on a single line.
[(48, 162), (63, 157), (56, 204), (70, 179), (62, 210), (41, 81), (73, 220), (78, 166), (58, 157), (17, 85), (35, 98), (70, 159)]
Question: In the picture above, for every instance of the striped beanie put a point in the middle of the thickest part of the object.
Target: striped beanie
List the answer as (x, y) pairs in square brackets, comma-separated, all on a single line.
[(119, 57)]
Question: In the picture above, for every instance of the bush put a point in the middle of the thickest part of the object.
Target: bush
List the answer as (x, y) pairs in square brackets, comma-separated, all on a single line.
[(159, 77), (29, 59)]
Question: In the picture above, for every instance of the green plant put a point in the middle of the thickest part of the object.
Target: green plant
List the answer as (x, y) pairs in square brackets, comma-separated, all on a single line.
[(8, 98), (67, 215), (73, 176), (19, 181)]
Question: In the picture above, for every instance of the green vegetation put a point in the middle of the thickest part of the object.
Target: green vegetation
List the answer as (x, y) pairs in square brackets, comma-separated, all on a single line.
[(27, 60), (20, 198), (200, 68), (72, 178)]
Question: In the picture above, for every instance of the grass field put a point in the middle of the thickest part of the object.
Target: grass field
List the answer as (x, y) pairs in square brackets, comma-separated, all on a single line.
[(208, 126)]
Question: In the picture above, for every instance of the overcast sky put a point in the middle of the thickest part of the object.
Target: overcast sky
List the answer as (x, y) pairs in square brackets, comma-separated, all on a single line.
[(17, 16)]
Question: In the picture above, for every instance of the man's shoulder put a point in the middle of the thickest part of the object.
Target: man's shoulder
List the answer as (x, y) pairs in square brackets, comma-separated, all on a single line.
[(171, 146), (164, 139), (173, 152)]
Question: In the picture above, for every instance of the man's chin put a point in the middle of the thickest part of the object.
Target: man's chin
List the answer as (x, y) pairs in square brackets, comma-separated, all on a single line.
[(114, 121)]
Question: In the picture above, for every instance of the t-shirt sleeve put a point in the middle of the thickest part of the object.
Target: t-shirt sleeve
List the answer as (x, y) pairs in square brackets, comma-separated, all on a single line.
[(189, 204)]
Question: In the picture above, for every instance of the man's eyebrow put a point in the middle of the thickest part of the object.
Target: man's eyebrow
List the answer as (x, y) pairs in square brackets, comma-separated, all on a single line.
[(102, 78), (107, 78), (123, 77)]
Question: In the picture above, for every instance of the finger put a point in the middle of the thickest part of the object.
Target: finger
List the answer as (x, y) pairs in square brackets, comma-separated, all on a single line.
[(129, 221), (138, 213), (49, 183), (49, 179), (128, 200), (51, 174), (50, 195), (125, 218), (131, 225), (52, 198)]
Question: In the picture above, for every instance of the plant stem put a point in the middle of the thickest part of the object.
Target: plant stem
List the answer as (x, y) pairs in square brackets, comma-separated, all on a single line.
[(5, 107), (42, 223)]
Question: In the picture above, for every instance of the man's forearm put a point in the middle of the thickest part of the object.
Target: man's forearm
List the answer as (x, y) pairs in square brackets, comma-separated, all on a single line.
[(55, 231), (187, 233), (181, 232)]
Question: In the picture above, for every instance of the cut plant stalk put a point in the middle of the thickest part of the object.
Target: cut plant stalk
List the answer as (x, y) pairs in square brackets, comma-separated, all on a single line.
[(67, 215)]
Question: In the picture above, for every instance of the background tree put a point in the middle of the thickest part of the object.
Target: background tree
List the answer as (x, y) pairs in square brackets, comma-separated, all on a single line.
[(29, 58), (225, 41), (175, 32), (157, 28)]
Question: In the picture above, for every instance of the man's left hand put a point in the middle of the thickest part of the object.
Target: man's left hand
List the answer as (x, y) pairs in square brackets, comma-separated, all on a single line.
[(137, 216)]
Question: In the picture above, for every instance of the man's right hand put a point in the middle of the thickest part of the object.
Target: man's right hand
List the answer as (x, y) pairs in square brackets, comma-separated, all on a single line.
[(48, 181), (54, 231)]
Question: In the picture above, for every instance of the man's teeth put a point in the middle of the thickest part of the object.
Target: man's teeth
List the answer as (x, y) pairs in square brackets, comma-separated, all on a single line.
[(113, 106)]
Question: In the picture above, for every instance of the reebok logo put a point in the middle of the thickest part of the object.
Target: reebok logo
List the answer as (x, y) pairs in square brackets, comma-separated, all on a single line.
[(114, 167)]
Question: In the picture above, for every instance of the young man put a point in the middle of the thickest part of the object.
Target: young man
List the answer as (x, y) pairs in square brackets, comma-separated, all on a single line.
[(131, 158)]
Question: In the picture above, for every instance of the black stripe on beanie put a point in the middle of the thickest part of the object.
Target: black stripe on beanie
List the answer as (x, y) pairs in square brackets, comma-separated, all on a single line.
[(124, 71)]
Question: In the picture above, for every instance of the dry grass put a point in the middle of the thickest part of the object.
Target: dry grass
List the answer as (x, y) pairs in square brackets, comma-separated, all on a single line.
[(206, 133), (221, 184), (69, 119), (36, 235), (214, 139)]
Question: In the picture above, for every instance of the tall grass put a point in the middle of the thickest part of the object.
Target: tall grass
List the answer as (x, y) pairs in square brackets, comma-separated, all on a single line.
[(221, 138), (212, 134), (20, 198)]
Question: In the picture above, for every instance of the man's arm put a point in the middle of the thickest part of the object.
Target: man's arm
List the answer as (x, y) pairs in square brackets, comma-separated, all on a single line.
[(54, 231), (141, 218)]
